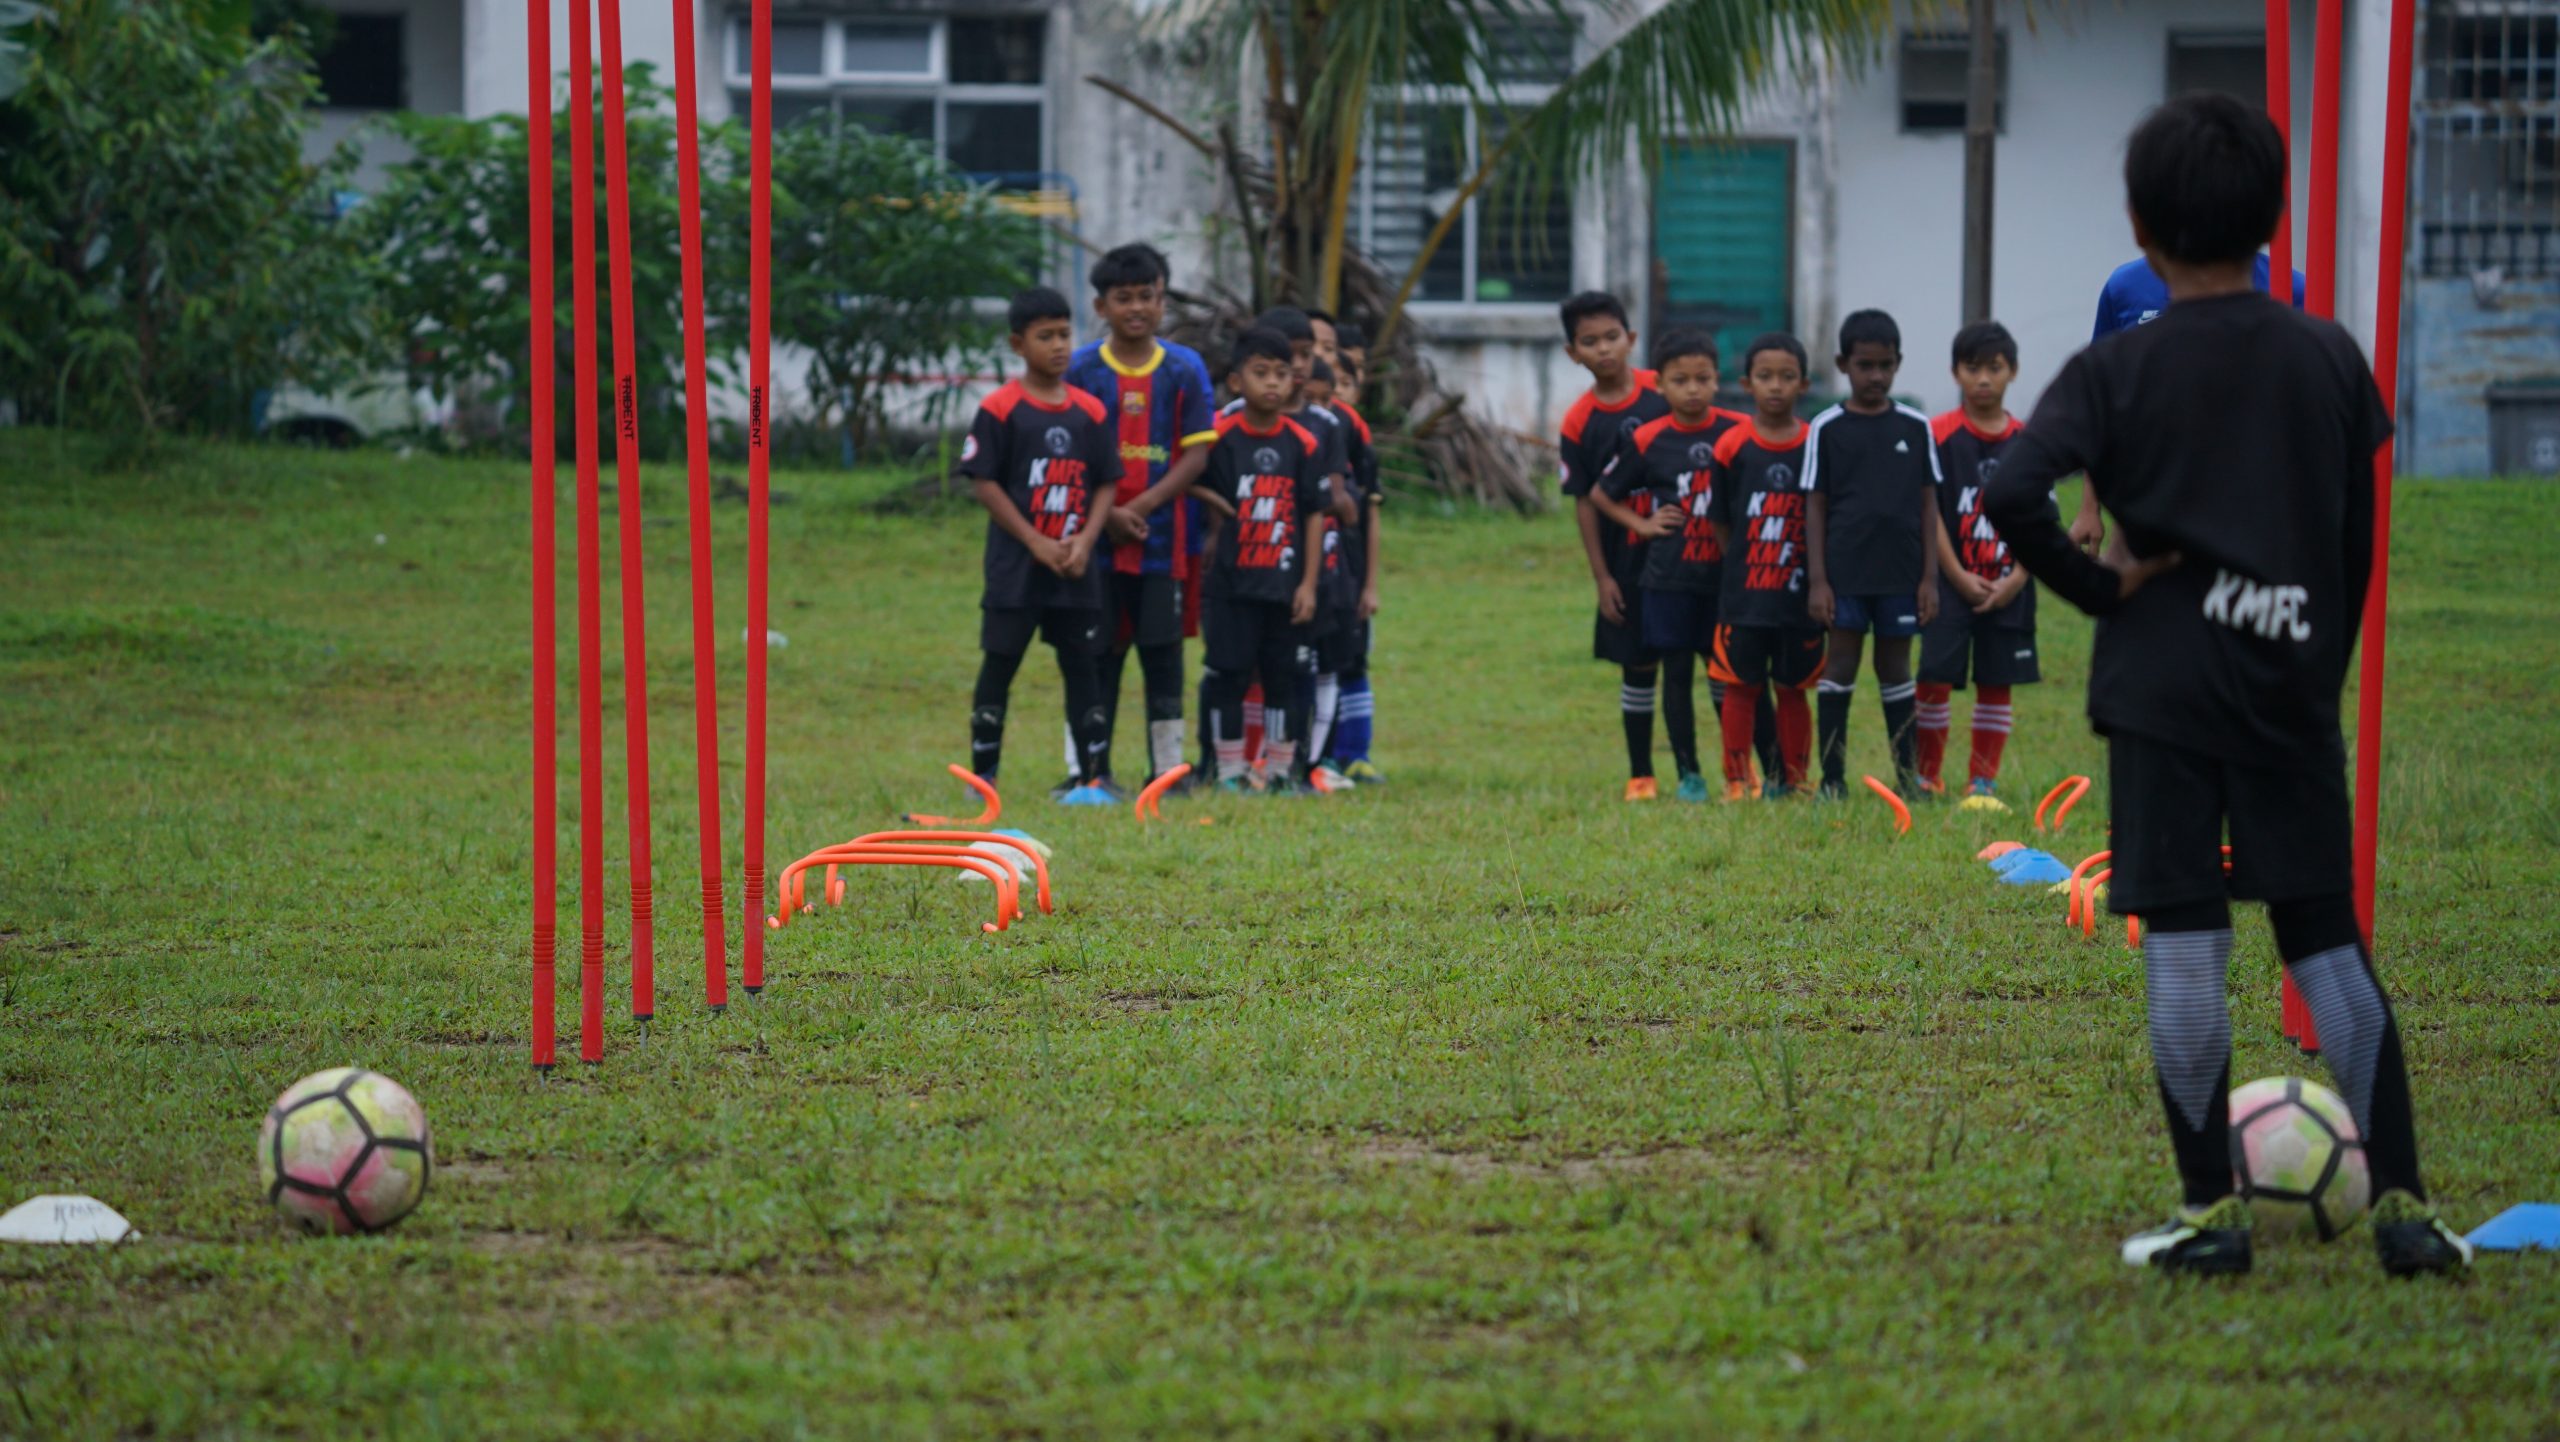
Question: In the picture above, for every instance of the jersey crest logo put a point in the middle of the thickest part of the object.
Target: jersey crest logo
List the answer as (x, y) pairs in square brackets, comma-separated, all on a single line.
[(1780, 477), (1133, 402), (1902, 448), (1700, 454), (1057, 440), (1266, 460)]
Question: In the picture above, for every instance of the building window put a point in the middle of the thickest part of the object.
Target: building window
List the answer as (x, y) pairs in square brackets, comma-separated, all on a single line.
[(1514, 240), (969, 86), (2219, 62), (1933, 81), (366, 64), (2485, 162)]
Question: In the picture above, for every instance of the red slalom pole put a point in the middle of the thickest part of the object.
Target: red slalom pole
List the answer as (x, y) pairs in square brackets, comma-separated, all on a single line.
[(626, 495), (697, 442), (759, 467), (2280, 109), (2386, 374), (546, 660), (2320, 250), (582, 275)]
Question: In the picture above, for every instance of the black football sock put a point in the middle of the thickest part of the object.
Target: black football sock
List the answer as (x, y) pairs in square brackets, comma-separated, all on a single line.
[(1635, 713), (1108, 669), (1900, 702), (1209, 692), (2185, 974), (1680, 712), (986, 713), (1831, 727), (1160, 668), (2359, 1036), (1222, 706), (1084, 711), (1301, 710)]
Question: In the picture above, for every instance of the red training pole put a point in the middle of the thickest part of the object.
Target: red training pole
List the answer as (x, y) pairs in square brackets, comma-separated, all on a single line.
[(582, 275), (697, 442), (2386, 374), (2320, 251), (759, 463), (626, 495), (2292, 1012), (546, 660)]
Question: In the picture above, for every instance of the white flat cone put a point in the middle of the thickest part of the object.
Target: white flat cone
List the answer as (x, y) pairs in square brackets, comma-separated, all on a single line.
[(52, 1219)]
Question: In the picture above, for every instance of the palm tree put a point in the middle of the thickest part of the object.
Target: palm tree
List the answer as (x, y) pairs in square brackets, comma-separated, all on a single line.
[(1681, 68)]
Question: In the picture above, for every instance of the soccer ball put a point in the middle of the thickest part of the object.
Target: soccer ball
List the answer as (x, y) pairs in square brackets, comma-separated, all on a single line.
[(345, 1150), (2296, 1155)]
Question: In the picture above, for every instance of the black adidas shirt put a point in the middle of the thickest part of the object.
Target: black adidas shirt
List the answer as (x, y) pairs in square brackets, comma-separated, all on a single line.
[(1873, 473), (1758, 497), (1675, 465), (1277, 482), (1049, 459), (2241, 434), (1967, 460)]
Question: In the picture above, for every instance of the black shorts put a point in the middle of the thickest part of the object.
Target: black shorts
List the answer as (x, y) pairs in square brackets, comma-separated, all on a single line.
[(1239, 634), (1144, 610), (1755, 656), (1340, 645), (1679, 622), (1009, 632), (2000, 655), (2290, 830), (1622, 642)]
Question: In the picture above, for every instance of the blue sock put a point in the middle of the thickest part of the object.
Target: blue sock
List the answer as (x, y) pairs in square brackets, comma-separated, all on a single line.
[(1351, 720)]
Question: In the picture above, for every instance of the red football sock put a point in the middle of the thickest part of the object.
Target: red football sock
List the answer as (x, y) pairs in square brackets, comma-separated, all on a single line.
[(1253, 724), (1734, 718), (1795, 734), (1929, 722), (1990, 730)]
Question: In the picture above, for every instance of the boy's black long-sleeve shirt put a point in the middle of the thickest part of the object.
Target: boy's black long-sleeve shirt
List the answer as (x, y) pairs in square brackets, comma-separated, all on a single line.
[(2240, 434)]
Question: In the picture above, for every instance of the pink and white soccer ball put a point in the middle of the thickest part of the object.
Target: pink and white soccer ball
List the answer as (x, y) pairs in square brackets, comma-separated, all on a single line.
[(2297, 1157), (345, 1150)]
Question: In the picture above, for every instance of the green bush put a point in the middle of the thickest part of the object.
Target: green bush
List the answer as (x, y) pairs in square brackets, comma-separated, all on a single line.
[(165, 251)]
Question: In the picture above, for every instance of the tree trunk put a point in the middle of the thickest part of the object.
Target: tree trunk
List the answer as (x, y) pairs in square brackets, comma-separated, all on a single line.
[(1981, 143)]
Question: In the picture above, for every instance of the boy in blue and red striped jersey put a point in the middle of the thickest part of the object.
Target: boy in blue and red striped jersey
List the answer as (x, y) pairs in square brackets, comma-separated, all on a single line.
[(1158, 397)]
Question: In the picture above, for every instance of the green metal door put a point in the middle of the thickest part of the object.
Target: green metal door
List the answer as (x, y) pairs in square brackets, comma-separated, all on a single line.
[(1724, 240)]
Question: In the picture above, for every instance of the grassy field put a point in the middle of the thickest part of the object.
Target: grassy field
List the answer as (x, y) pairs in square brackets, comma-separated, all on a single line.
[(1479, 1105)]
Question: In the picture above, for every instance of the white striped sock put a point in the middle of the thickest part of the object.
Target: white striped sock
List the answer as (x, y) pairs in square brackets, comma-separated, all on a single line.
[(1900, 691), (2347, 1007), (1990, 718), (1636, 700), (1829, 687)]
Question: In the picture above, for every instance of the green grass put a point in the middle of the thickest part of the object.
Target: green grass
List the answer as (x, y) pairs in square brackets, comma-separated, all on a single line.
[(1479, 1105)]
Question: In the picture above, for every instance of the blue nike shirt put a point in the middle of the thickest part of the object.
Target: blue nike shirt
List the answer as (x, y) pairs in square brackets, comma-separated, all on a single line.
[(2135, 295)]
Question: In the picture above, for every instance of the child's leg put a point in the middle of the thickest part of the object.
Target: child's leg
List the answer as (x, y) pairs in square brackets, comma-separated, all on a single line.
[(1281, 667), (2186, 954), (1839, 683), (1353, 712), (1635, 713), (1795, 736), (1210, 690), (1740, 724), (1160, 672), (1930, 718), (1108, 670), (1320, 728), (1764, 732), (1895, 688), (1302, 701), (1223, 703), (986, 712), (1257, 720), (1680, 711), (2324, 950), (1085, 714), (1991, 717)]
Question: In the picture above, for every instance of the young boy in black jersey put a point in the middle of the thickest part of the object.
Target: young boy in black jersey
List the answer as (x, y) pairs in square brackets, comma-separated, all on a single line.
[(1598, 338), (1670, 459), (1043, 459), (1348, 587), (1266, 476), (1986, 621), (1356, 707), (1765, 637), (1871, 520), (2234, 440)]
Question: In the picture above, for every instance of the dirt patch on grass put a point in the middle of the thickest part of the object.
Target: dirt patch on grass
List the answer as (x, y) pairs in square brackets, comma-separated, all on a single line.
[(1476, 1164), (1142, 1002)]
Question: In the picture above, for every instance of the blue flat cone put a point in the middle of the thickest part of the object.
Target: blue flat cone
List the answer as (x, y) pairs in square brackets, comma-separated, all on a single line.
[(2519, 1228), (2030, 868)]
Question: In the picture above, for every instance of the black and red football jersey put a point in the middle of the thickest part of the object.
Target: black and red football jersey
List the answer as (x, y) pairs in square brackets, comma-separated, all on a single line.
[(1276, 480), (1759, 496), (1674, 464), (1588, 439), (1967, 459), (1049, 456)]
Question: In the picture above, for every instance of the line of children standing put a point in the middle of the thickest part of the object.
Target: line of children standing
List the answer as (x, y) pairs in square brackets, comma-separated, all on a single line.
[(1114, 448), (1770, 546)]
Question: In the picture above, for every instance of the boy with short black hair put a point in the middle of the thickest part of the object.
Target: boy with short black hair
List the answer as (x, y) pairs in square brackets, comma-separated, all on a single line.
[(1621, 398), (1341, 641), (1764, 635), (1672, 460), (1038, 454), (1267, 475), (1158, 396), (1351, 360), (1986, 621), (2234, 440), (1346, 751), (1871, 521)]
